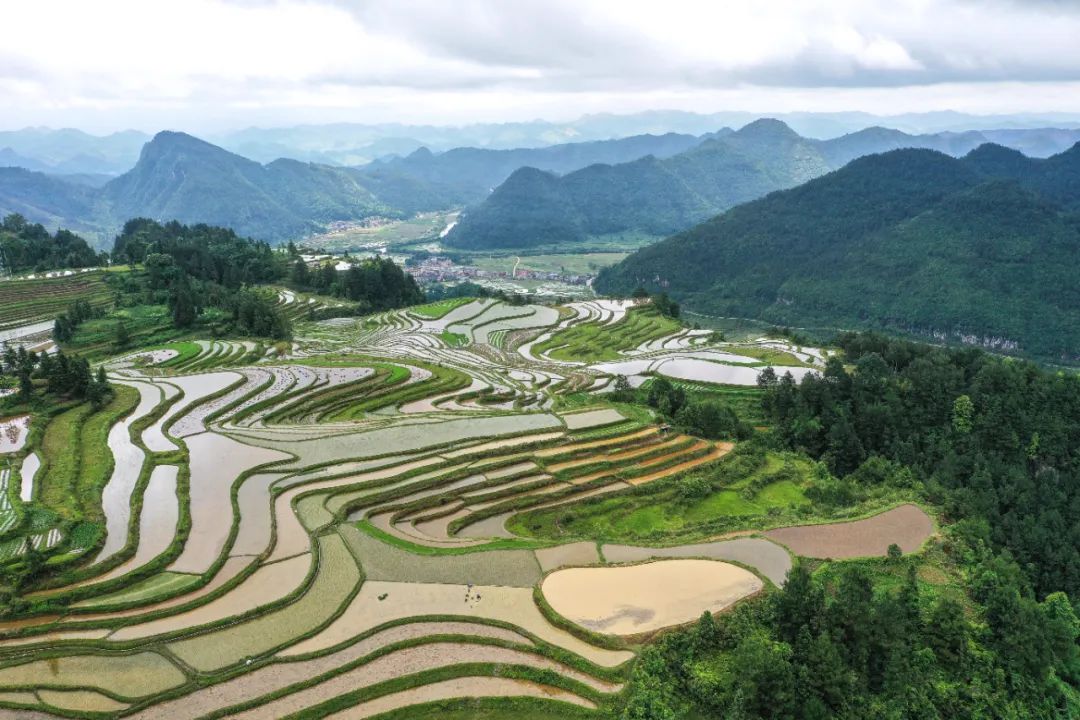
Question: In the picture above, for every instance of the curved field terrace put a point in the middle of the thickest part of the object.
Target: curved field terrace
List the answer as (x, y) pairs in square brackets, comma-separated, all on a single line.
[(337, 528)]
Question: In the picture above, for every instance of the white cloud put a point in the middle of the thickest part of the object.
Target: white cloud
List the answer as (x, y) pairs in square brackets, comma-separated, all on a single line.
[(216, 62)]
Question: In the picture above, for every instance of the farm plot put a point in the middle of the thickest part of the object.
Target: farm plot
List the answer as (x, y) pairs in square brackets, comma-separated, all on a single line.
[(635, 599), (596, 341), (907, 526), (436, 310), (216, 462), (132, 676), (402, 600), (412, 661), (195, 389), (770, 560), (287, 671), (157, 523), (511, 568), (127, 465), (336, 579), (13, 432), (43, 299)]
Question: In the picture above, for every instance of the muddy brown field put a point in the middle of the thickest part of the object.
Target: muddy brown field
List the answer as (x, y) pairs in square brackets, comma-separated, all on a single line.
[(907, 526)]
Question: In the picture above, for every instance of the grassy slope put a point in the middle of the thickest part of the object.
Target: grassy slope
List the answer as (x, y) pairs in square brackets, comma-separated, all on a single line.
[(78, 457), (751, 489)]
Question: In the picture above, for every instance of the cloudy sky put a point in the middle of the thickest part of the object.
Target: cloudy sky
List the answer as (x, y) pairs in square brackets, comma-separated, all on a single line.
[(219, 64)]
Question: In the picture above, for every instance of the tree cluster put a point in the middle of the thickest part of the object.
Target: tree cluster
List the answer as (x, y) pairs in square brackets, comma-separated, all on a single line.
[(375, 283), (64, 376), (202, 252), (192, 268), (848, 647), (28, 246), (695, 413)]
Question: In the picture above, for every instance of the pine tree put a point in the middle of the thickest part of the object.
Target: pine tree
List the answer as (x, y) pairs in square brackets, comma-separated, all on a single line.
[(182, 303), (121, 336), (26, 385)]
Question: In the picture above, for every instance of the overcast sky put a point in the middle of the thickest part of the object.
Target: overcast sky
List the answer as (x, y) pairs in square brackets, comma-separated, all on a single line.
[(206, 65)]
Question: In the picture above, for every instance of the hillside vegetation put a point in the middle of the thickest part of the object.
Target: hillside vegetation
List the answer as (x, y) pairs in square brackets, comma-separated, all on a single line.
[(978, 249)]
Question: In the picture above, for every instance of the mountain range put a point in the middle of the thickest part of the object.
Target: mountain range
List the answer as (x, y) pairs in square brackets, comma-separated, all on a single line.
[(653, 197), (179, 177), (980, 249), (642, 186), (73, 152)]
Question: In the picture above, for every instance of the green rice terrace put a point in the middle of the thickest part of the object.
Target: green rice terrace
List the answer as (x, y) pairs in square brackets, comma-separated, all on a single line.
[(431, 512)]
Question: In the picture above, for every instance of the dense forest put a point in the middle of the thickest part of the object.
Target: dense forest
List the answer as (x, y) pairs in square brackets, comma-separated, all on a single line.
[(192, 268), (994, 444), (977, 250), (26, 246)]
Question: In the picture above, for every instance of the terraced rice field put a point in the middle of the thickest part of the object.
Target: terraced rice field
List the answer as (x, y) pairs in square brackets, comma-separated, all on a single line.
[(322, 529), (43, 299)]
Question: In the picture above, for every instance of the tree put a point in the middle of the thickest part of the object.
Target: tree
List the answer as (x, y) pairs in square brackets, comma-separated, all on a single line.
[(947, 633), (300, 275), (800, 605), (62, 330), (26, 385), (622, 391), (665, 305), (963, 414), (326, 279), (764, 683), (121, 335), (710, 419), (255, 312), (182, 303), (161, 270), (665, 397)]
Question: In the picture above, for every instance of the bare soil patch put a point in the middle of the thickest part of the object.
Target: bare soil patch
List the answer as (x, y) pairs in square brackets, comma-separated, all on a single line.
[(907, 525)]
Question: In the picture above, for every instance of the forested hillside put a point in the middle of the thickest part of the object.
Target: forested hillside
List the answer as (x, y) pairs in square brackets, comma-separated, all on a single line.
[(651, 196), (978, 249), (179, 177), (48, 200)]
